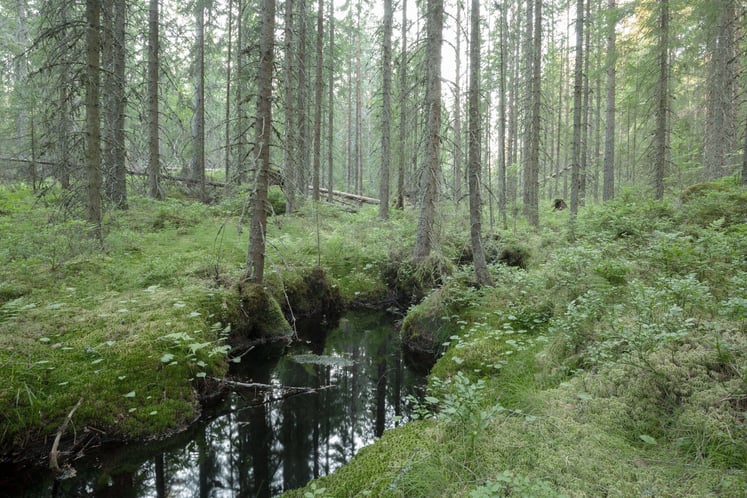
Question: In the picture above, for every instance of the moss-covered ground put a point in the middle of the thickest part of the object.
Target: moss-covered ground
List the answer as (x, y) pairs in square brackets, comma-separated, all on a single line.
[(615, 364), (611, 362), (134, 328)]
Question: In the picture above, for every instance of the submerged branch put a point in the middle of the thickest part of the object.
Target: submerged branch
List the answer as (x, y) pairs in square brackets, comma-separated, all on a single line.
[(256, 385)]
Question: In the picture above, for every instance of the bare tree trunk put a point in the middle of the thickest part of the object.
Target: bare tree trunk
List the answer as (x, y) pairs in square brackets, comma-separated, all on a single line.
[(458, 149), (721, 92), (93, 124), (240, 175), (331, 100), (386, 112), (261, 153), (502, 190), (661, 134), (578, 86), (527, 106), (402, 160), (117, 136), (229, 61), (358, 108), (535, 129), (475, 122), (318, 84), (197, 165), (608, 191), (432, 166), (290, 146), (302, 159), (19, 80), (154, 170), (584, 164)]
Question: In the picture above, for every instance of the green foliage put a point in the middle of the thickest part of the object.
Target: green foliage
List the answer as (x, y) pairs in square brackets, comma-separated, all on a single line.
[(624, 347), (508, 483)]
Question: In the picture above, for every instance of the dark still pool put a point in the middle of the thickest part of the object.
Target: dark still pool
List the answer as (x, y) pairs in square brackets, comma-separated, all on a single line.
[(331, 393)]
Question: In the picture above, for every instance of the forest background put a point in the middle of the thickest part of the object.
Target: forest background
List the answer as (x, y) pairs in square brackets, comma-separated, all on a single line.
[(118, 112)]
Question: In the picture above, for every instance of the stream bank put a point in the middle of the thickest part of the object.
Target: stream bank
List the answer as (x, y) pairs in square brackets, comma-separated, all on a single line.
[(262, 441)]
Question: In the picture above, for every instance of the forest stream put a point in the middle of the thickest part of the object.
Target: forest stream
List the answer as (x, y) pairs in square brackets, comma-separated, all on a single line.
[(260, 442)]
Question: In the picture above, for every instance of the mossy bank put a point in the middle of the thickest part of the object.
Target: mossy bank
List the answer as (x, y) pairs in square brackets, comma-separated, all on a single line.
[(137, 330), (613, 365)]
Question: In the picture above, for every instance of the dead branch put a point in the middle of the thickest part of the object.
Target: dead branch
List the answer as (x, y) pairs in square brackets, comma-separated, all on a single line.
[(257, 385), (54, 454)]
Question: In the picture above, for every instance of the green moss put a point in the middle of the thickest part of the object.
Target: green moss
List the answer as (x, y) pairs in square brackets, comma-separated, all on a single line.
[(254, 314), (308, 292)]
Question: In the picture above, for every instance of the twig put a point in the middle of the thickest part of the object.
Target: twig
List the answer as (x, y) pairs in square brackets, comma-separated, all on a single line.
[(54, 454), (257, 385)]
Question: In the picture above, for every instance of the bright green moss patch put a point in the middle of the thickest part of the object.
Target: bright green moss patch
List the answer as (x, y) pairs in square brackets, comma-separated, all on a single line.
[(132, 357)]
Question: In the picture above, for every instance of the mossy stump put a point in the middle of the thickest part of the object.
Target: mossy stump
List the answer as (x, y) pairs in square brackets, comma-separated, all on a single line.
[(256, 317)]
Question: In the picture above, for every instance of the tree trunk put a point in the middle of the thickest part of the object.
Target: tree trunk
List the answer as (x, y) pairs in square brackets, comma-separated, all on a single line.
[(240, 174), (261, 153), (608, 191), (432, 167), (475, 122), (331, 100), (119, 153), (93, 124), (302, 159), (154, 171), (197, 165), (583, 167), (458, 150), (290, 152), (535, 129), (318, 84), (578, 87), (386, 112), (402, 160), (229, 61), (661, 134), (358, 107), (502, 190), (527, 103), (721, 92)]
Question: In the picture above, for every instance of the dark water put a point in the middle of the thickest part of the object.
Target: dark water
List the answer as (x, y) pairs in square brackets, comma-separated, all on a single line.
[(260, 443)]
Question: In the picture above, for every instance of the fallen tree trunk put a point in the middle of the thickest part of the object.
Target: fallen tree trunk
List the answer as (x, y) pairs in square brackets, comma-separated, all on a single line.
[(348, 195)]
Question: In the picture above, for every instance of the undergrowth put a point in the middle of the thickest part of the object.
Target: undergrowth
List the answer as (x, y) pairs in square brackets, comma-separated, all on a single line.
[(615, 365)]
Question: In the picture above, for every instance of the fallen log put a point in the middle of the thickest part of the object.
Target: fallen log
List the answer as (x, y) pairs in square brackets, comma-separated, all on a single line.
[(348, 195)]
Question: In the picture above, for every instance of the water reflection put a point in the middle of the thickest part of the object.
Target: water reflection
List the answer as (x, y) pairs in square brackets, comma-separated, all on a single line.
[(266, 441)]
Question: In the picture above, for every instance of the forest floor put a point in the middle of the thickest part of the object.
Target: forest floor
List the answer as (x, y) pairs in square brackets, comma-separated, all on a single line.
[(614, 363)]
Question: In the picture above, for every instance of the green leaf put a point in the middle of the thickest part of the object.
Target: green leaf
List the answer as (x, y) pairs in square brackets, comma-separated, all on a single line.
[(166, 358), (201, 375), (97, 361), (130, 394), (647, 439)]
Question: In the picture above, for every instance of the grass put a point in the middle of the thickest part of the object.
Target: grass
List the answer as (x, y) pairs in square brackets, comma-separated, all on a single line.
[(615, 365), (132, 329)]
